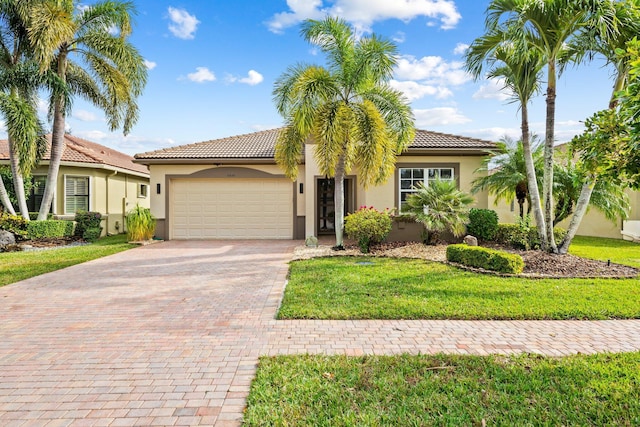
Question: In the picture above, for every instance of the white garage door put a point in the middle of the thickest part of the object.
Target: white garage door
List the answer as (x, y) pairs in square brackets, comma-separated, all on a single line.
[(212, 208)]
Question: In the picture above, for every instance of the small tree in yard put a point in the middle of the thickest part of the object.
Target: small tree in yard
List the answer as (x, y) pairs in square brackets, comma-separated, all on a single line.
[(440, 207)]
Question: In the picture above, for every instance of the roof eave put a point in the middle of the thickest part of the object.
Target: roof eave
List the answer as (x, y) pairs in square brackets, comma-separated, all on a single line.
[(206, 161)]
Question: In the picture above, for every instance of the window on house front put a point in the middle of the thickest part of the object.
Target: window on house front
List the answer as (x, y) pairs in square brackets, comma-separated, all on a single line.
[(37, 192), (411, 177), (76, 194), (143, 190)]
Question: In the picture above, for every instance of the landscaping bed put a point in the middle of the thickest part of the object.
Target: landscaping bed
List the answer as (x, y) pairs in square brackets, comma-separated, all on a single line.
[(537, 263)]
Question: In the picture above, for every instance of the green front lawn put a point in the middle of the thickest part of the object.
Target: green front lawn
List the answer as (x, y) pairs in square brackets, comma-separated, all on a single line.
[(616, 250), (446, 390), (16, 266), (344, 288)]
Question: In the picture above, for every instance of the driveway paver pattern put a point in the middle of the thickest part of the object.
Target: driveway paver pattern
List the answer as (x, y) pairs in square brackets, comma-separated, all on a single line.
[(170, 334)]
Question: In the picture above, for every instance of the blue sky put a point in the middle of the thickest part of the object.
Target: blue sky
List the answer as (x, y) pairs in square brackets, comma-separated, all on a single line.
[(212, 65)]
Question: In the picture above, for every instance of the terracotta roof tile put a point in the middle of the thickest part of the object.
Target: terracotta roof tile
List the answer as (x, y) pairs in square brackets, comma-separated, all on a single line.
[(79, 150), (261, 145)]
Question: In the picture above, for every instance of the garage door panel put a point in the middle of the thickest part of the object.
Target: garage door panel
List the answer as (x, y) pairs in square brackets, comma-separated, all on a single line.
[(231, 209)]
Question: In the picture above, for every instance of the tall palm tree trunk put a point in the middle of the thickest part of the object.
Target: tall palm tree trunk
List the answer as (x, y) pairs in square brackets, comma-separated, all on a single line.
[(57, 147), (4, 198), (18, 181), (547, 185), (581, 209), (532, 182), (338, 197)]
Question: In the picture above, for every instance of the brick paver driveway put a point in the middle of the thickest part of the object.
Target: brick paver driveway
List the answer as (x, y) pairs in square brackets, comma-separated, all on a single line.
[(170, 334)]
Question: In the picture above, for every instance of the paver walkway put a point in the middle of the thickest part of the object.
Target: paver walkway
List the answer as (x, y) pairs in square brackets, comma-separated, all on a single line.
[(170, 334)]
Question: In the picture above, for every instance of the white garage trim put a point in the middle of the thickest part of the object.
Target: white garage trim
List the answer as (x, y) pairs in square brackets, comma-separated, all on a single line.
[(230, 208)]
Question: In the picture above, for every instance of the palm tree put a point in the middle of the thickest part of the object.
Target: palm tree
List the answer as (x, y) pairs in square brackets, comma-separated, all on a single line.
[(606, 44), (87, 48), (440, 207), (19, 80), (347, 110), (607, 197), (505, 174), (520, 68), (547, 27)]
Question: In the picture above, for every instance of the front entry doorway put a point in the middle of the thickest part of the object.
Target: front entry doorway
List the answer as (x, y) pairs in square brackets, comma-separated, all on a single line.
[(326, 205)]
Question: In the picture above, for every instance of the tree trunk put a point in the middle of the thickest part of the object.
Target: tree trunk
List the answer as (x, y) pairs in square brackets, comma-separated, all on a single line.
[(57, 148), (532, 181), (4, 197), (338, 198), (581, 209), (547, 186), (18, 181)]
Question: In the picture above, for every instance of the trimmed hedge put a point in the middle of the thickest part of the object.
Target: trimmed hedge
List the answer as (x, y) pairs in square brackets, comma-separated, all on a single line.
[(488, 259), (86, 220), (50, 229), (483, 224)]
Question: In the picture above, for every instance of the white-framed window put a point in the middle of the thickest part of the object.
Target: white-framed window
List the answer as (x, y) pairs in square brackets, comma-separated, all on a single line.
[(409, 178), (143, 191), (76, 194)]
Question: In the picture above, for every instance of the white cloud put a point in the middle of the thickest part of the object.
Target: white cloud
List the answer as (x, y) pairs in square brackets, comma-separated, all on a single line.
[(252, 79), (201, 75), (400, 37), (150, 64), (363, 13), (497, 133), (431, 70), (439, 117), (84, 116), (460, 48), (92, 135), (494, 89), (43, 106), (184, 25), (414, 90)]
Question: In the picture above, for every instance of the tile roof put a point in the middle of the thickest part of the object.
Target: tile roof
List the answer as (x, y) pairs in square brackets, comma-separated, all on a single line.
[(261, 145), (79, 150)]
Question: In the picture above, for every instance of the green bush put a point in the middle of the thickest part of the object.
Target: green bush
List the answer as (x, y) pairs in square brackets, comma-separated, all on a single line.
[(14, 223), (488, 259), (49, 229), (524, 237), (483, 224), (367, 226), (33, 216), (92, 234), (85, 220), (141, 225)]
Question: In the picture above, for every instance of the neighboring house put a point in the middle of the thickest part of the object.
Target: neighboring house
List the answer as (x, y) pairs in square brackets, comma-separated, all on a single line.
[(92, 177), (231, 188)]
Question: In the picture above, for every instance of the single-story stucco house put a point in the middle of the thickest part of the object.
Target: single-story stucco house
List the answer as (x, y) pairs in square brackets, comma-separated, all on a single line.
[(232, 188), (92, 177)]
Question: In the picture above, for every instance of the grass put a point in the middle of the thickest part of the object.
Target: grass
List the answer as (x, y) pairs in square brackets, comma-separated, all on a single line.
[(446, 390), (618, 251), (16, 266), (344, 288)]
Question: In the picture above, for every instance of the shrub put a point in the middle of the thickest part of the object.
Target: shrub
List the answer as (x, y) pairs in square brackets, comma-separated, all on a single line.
[(368, 226), (524, 237), (49, 229), (14, 223), (488, 259), (33, 216), (85, 220), (92, 234), (141, 225), (483, 223)]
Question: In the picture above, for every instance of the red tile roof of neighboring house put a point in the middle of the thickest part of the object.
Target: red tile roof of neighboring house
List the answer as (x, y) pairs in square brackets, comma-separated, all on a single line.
[(78, 150), (261, 145)]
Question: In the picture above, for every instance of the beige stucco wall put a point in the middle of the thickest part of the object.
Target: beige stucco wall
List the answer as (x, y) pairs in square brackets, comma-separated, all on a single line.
[(112, 193)]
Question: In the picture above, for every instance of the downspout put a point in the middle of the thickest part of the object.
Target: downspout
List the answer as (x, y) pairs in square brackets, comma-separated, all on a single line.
[(114, 173)]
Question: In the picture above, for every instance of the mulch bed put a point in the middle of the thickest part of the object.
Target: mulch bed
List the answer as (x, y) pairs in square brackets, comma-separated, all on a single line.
[(537, 263)]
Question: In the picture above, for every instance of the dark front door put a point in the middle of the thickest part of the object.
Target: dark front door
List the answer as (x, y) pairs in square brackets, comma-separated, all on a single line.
[(326, 204)]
